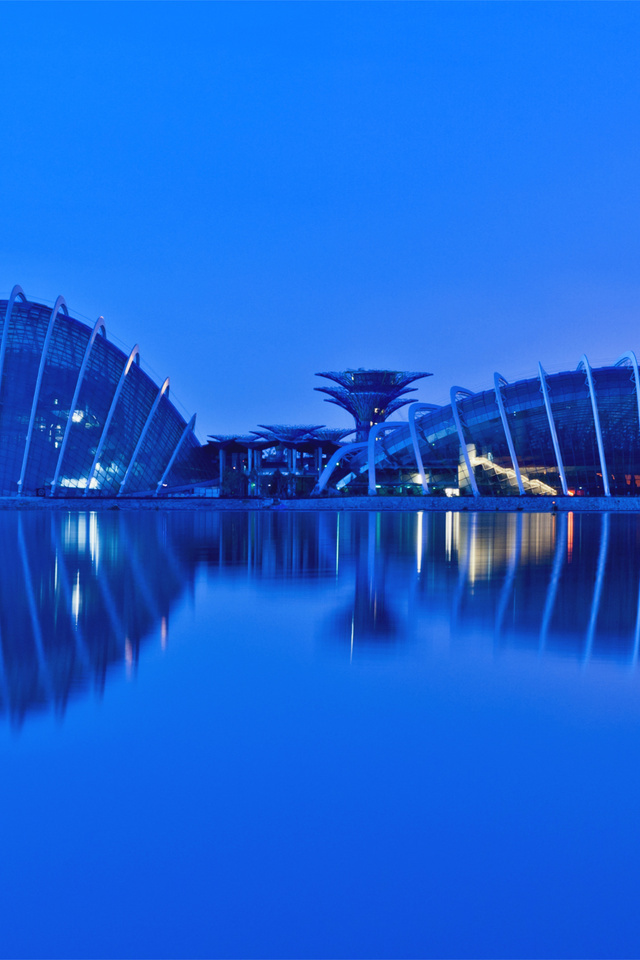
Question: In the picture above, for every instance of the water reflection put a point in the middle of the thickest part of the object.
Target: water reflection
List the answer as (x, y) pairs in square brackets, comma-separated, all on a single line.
[(567, 583), (78, 595), (80, 592)]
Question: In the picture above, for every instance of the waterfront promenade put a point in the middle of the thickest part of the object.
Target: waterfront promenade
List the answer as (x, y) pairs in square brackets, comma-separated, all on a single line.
[(333, 504)]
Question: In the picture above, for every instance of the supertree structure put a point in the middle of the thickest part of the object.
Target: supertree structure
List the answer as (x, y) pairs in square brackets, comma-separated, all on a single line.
[(370, 396), (287, 434)]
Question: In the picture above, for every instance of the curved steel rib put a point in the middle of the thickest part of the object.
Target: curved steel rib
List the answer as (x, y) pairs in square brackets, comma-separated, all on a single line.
[(99, 325), (13, 296), (183, 437), (633, 360), (345, 450), (552, 428), (413, 409), (454, 393), (371, 446), (596, 419), (497, 381), (57, 307), (134, 355), (163, 389)]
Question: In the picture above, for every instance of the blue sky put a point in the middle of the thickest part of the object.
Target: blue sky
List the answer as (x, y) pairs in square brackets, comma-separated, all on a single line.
[(256, 192)]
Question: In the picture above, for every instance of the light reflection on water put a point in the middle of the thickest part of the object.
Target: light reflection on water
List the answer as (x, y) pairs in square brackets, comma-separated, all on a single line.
[(319, 734), (81, 592)]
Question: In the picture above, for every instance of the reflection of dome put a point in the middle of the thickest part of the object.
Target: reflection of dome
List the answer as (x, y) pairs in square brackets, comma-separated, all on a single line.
[(77, 414), (78, 594)]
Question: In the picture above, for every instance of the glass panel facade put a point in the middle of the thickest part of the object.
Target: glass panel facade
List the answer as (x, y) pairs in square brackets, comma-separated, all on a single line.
[(62, 364), (191, 465), (531, 436), (163, 435), (94, 400), (618, 409), (573, 415), (65, 354), (129, 418), (487, 444), (25, 339)]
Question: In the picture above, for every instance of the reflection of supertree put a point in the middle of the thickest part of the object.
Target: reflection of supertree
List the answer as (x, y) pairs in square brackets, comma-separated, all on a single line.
[(78, 594), (370, 618)]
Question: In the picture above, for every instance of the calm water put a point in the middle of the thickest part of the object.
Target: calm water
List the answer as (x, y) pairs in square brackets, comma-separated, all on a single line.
[(314, 735)]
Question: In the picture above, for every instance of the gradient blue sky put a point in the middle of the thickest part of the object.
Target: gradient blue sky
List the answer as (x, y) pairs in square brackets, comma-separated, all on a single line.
[(255, 192)]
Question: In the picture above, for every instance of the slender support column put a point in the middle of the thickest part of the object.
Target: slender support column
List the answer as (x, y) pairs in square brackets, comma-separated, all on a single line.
[(455, 393), (99, 325), (175, 453), (376, 429), (552, 428), (344, 451), (597, 590), (631, 358), (413, 409), (16, 293), (497, 381), (163, 389), (57, 307), (134, 355), (596, 419)]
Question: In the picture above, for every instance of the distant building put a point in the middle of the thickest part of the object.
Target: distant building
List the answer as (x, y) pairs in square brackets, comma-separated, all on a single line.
[(80, 417), (575, 433), (370, 396)]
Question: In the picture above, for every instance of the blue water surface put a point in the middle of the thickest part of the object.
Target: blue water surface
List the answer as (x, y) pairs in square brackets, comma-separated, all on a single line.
[(319, 735)]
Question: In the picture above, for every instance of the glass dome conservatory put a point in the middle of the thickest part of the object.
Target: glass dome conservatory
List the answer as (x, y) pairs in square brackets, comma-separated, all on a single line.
[(77, 415), (575, 433)]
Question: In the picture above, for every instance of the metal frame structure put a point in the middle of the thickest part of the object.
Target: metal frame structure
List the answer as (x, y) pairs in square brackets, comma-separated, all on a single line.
[(497, 381), (633, 360), (552, 427), (99, 325), (454, 393), (134, 355), (161, 392), (175, 453), (411, 412), (59, 305), (346, 450), (374, 432), (13, 296), (596, 419)]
